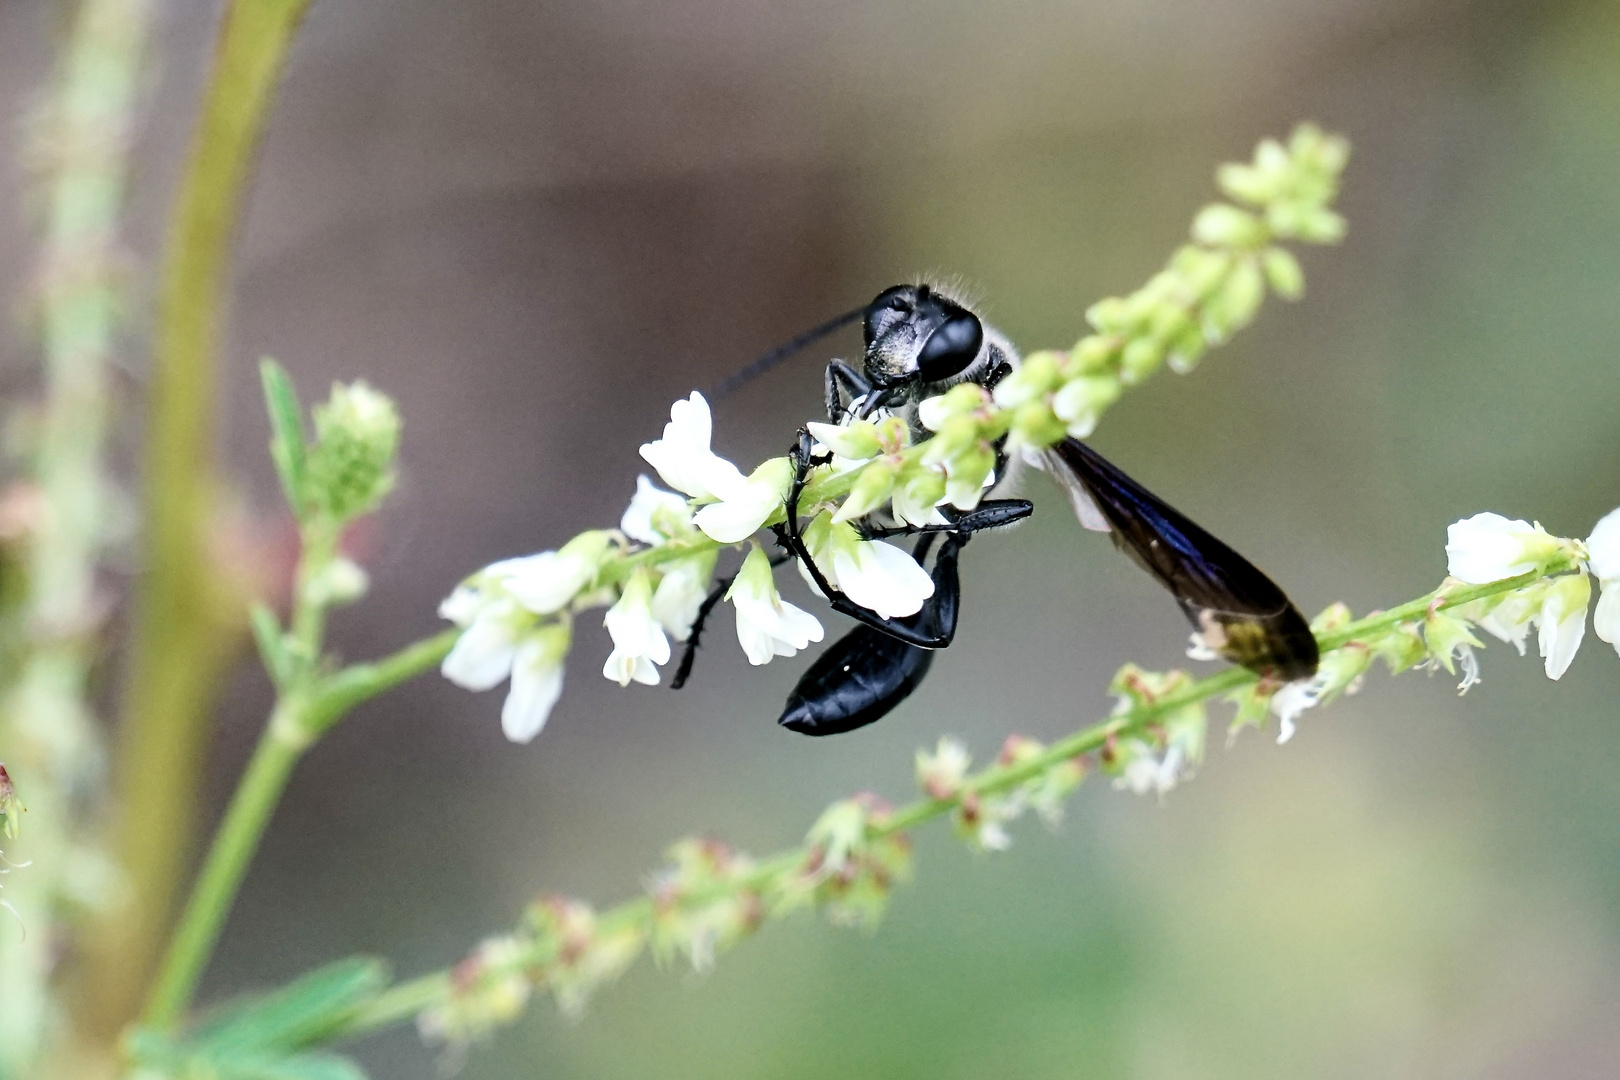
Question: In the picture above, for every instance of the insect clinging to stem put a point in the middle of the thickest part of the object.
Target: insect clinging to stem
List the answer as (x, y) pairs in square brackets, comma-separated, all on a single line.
[(919, 342)]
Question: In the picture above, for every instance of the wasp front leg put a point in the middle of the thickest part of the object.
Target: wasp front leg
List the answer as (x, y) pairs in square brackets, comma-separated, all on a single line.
[(843, 386)]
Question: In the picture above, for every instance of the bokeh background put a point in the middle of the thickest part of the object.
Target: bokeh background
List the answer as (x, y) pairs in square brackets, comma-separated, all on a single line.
[(538, 224)]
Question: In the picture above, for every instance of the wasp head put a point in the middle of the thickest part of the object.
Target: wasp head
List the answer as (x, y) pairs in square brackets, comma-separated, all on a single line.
[(916, 337)]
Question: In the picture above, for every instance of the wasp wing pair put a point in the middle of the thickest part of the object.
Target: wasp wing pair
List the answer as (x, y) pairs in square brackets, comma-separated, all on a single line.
[(1236, 610)]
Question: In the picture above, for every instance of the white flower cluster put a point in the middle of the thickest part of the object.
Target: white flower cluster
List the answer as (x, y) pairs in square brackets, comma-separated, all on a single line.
[(517, 613), (1489, 547)]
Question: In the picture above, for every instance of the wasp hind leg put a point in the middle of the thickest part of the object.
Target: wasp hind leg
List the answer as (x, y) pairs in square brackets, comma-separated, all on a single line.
[(870, 670)]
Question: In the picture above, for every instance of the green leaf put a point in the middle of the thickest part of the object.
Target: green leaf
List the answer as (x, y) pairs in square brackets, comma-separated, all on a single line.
[(287, 439), (272, 643), (295, 1015)]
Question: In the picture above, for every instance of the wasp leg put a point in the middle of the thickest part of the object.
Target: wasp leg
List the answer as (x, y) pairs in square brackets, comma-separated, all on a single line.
[(684, 670), (870, 670), (990, 514), (791, 537), (843, 384)]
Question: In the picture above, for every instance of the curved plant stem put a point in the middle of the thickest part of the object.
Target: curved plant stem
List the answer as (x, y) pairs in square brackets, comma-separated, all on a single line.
[(45, 723), (187, 624), (406, 1000), (302, 715)]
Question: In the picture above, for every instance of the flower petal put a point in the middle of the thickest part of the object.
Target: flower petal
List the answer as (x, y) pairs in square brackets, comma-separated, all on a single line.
[(482, 655), (650, 504), (1489, 547), (1603, 549), (537, 682)]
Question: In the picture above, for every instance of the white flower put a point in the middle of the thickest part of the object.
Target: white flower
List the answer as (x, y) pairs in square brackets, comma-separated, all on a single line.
[(537, 682), (873, 574), (654, 515), (1603, 559), (1562, 621), (1142, 771), (1489, 547), (1510, 620), (767, 625), (482, 656), (1301, 694), (681, 593), (745, 504), (854, 441), (683, 458), (501, 641), (638, 640), (546, 582), (917, 501)]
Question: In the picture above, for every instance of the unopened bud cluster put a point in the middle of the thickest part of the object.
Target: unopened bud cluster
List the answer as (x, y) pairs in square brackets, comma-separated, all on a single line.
[(707, 899), (349, 468)]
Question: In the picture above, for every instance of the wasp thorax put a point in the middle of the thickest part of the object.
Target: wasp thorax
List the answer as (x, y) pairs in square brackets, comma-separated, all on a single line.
[(913, 334)]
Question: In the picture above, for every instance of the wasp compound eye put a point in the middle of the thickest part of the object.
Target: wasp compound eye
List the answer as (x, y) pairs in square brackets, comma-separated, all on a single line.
[(951, 348), (883, 308)]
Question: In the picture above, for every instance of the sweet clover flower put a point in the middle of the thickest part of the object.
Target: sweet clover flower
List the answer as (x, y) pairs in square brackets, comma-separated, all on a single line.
[(638, 638), (681, 592), (1603, 560), (654, 515), (767, 626), (871, 573), (683, 458), (1489, 547), (537, 682), (745, 503)]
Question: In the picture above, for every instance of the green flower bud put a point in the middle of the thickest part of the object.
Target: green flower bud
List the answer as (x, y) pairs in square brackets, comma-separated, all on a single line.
[(1094, 353), (872, 489), (1186, 350), (1035, 425), (1201, 270), (894, 435), (350, 467), (1081, 402), (1235, 305), (959, 400), (1222, 225), (341, 581), (1445, 635), (1039, 375), (1108, 315), (1401, 648), (967, 473), (1314, 149), (1142, 357), (956, 434), (1306, 221), (1283, 272), (1247, 183)]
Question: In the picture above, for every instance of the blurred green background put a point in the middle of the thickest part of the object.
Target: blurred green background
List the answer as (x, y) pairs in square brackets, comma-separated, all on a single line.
[(537, 225)]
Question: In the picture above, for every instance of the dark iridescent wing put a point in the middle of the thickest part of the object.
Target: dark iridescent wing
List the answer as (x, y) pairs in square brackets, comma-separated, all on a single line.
[(1238, 611)]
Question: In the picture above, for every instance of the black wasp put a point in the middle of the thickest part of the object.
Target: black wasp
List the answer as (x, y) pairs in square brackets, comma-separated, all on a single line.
[(919, 343)]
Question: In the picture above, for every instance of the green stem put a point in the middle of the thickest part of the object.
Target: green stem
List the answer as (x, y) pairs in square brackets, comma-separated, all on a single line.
[(300, 717), (282, 744), (85, 133), (186, 623), (406, 1000)]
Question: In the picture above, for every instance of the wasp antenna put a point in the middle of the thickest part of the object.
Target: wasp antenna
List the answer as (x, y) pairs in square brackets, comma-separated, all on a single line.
[(783, 351)]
